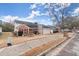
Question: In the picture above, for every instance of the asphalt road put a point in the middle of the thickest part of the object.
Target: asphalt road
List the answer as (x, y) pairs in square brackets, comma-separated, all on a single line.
[(72, 48), (69, 49)]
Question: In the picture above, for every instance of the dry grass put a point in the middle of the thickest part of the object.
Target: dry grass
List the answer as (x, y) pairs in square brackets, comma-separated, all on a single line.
[(39, 49), (3, 38), (4, 35), (18, 40)]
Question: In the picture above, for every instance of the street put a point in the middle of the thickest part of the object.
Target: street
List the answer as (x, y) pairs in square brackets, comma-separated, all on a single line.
[(68, 48), (72, 49)]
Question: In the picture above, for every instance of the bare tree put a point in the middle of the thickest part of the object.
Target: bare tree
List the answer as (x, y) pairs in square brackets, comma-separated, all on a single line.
[(53, 15), (56, 11)]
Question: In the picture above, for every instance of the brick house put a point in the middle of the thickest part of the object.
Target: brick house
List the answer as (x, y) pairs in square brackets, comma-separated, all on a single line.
[(40, 28)]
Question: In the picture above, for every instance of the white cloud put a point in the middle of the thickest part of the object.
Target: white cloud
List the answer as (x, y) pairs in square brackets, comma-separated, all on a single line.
[(46, 5), (46, 13), (33, 6), (75, 12), (30, 16), (59, 6), (28, 20), (36, 13), (41, 4), (66, 4), (33, 14), (46, 21), (9, 18)]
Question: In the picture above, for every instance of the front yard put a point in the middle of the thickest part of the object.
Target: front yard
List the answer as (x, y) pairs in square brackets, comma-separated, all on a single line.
[(18, 40), (4, 35)]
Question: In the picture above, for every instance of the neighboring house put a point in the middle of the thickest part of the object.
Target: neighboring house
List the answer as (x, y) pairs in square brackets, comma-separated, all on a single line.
[(42, 29)]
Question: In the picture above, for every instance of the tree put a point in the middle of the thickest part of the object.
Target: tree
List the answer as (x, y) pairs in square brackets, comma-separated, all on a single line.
[(53, 14), (7, 27), (71, 22), (56, 12)]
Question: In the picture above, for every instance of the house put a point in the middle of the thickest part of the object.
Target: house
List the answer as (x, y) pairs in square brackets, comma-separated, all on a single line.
[(35, 27)]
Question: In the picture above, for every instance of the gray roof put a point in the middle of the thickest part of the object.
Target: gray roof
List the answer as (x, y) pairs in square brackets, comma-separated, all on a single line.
[(30, 24)]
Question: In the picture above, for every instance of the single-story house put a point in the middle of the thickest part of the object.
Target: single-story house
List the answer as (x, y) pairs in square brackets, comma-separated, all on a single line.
[(40, 28)]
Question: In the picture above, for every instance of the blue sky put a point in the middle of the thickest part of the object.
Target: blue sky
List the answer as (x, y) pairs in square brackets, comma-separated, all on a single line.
[(32, 12), (71, 8), (14, 9)]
